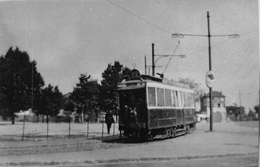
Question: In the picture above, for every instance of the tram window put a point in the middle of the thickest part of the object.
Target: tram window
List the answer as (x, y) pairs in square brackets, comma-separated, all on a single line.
[(173, 99), (181, 99), (151, 96), (187, 99), (160, 97), (168, 99), (177, 99), (184, 100), (191, 100)]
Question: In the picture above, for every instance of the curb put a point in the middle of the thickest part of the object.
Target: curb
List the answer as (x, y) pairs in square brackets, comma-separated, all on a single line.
[(125, 160)]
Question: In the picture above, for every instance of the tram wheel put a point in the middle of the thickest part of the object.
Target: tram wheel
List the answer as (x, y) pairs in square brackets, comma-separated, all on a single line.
[(173, 132), (150, 136), (187, 129)]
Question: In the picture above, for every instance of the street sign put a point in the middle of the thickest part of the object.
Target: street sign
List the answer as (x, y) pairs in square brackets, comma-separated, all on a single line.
[(210, 79)]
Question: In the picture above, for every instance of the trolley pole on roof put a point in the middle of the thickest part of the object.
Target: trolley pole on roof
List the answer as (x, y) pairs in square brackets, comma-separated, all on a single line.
[(160, 56), (153, 66), (145, 66), (209, 73)]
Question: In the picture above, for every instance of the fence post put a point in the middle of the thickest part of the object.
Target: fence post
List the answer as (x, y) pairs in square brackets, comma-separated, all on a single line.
[(69, 127), (114, 129), (47, 127), (23, 126), (102, 128), (87, 128)]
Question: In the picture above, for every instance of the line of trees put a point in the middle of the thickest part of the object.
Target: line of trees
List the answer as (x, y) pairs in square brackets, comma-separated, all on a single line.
[(237, 113), (22, 87)]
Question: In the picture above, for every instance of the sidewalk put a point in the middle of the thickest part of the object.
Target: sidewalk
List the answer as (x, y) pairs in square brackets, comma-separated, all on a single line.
[(227, 139)]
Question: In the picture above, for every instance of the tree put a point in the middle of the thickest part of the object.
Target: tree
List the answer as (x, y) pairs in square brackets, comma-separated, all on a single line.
[(67, 103), (51, 101), (20, 83), (256, 109), (238, 112), (251, 115), (193, 85), (85, 94), (111, 77)]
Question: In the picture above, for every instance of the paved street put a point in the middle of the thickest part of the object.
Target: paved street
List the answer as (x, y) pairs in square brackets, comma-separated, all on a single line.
[(236, 161), (229, 140)]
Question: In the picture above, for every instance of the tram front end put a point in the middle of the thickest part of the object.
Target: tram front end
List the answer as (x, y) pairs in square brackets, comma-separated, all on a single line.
[(132, 109)]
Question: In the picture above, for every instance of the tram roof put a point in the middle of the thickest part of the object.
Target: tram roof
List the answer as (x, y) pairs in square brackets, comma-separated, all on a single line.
[(152, 81)]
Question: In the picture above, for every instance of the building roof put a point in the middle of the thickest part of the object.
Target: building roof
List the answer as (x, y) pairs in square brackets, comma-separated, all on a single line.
[(214, 94)]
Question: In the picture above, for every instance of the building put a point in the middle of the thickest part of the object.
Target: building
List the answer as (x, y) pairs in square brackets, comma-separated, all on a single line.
[(218, 107)]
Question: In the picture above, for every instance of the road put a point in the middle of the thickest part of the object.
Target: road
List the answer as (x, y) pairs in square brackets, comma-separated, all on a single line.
[(230, 144), (234, 161)]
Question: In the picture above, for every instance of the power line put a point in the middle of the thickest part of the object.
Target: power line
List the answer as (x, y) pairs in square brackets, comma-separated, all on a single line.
[(192, 25), (252, 68), (245, 60), (148, 22), (171, 57), (242, 79), (219, 43), (249, 32)]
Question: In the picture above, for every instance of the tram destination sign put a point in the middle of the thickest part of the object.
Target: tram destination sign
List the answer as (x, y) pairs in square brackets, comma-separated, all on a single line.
[(135, 75)]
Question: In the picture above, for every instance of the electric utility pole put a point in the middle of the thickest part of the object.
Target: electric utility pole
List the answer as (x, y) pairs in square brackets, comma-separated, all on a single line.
[(210, 87), (210, 78)]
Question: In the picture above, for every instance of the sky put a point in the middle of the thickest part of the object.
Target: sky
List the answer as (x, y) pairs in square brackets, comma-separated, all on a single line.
[(71, 37)]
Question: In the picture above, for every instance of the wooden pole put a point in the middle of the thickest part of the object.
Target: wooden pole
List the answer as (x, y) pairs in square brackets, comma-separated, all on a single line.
[(210, 89), (23, 127), (102, 128), (114, 127), (69, 128), (87, 127), (47, 129), (153, 65)]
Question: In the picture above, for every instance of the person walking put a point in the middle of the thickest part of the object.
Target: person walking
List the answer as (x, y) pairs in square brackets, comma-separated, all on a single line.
[(109, 120)]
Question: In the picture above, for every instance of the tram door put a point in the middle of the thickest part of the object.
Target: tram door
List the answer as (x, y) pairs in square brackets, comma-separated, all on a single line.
[(132, 100)]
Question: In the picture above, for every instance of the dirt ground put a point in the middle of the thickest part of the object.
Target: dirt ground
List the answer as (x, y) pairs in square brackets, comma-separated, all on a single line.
[(17, 140), (19, 144)]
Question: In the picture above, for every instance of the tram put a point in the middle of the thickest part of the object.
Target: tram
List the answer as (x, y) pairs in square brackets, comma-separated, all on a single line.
[(151, 106)]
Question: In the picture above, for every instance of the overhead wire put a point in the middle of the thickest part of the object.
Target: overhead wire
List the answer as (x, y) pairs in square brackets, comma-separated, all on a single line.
[(171, 57), (243, 62), (249, 32), (148, 22), (177, 60), (164, 30), (220, 43)]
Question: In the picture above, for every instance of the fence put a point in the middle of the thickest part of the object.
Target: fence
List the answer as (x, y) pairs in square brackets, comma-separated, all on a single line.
[(31, 130)]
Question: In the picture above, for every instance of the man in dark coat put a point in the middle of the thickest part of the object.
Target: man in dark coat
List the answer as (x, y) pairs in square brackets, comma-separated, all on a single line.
[(109, 120)]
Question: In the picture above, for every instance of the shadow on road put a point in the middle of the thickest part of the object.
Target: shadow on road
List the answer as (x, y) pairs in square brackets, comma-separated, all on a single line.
[(126, 140)]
